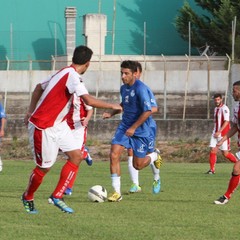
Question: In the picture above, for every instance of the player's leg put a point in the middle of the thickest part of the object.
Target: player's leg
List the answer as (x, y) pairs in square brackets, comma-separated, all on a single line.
[(115, 169), (140, 146), (85, 150), (40, 145), (225, 149), (1, 163), (156, 187), (133, 173), (232, 186), (212, 155), (119, 143), (70, 147), (79, 135)]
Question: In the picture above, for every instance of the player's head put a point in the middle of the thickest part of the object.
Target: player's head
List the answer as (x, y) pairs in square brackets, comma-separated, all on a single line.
[(139, 69), (236, 91), (128, 72), (82, 56), (217, 99)]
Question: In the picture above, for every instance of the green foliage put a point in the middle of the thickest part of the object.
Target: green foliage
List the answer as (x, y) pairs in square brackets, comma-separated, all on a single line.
[(184, 210), (213, 27)]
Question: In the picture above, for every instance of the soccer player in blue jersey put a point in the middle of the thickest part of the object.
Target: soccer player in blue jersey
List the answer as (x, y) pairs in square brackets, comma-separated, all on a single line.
[(134, 173), (135, 130)]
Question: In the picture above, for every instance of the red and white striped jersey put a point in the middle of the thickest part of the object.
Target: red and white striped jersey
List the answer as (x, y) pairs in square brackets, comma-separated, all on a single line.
[(55, 101), (78, 111), (221, 114)]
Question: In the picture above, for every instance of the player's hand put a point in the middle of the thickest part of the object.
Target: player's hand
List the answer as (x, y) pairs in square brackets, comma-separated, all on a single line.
[(27, 116), (130, 132), (117, 107), (84, 122), (217, 134), (219, 144)]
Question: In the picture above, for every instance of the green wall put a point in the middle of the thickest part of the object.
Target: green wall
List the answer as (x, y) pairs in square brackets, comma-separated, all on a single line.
[(38, 27)]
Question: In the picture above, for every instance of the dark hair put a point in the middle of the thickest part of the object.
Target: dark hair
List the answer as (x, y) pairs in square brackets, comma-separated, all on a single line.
[(130, 65), (139, 66), (236, 83), (82, 55), (217, 95)]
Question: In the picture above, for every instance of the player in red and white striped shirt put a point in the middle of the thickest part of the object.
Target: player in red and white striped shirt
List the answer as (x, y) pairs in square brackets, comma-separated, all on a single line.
[(49, 131), (221, 127)]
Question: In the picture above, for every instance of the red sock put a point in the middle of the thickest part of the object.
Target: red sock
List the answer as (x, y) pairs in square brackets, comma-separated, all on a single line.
[(212, 161), (35, 181), (67, 173), (231, 157), (70, 185), (233, 184)]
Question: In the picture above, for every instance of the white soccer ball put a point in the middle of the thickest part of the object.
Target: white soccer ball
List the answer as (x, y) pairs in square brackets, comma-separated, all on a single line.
[(97, 193)]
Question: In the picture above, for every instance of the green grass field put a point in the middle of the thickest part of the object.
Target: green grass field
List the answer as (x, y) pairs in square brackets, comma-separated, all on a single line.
[(183, 210)]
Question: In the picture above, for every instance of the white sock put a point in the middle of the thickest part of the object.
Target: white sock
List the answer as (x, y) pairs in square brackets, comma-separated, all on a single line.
[(153, 157), (132, 171), (156, 172), (116, 183), (1, 164)]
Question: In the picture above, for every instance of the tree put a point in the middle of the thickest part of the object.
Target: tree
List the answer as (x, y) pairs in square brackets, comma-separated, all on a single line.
[(213, 27)]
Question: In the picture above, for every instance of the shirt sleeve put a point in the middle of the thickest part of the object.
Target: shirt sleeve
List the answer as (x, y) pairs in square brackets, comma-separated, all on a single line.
[(226, 113), (75, 85)]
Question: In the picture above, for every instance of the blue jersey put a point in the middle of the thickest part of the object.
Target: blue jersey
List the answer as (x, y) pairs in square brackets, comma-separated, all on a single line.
[(2, 114), (135, 101)]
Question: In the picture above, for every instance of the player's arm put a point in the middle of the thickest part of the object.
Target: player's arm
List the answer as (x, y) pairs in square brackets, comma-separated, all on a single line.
[(154, 109), (225, 123), (111, 114), (89, 114), (94, 102), (88, 117), (37, 93), (3, 120), (229, 134), (143, 117)]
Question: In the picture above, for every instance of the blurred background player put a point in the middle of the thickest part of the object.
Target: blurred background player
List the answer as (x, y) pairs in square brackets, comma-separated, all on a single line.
[(234, 180), (77, 119), (2, 126), (221, 127), (134, 173)]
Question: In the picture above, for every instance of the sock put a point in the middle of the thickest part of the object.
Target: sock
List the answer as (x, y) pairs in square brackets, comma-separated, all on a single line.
[(67, 173), (155, 171), (153, 157), (231, 157), (72, 181), (233, 184), (35, 181), (212, 161), (132, 171), (116, 183)]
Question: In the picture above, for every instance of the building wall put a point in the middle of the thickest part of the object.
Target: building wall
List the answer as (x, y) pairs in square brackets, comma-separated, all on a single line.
[(36, 29)]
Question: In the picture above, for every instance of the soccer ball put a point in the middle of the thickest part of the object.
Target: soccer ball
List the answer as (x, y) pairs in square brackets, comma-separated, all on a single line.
[(97, 193)]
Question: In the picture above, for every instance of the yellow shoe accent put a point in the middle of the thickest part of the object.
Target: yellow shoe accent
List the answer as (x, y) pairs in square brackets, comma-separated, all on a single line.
[(115, 197), (158, 163)]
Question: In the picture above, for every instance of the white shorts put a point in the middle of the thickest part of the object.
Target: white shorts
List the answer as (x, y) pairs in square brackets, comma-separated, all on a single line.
[(224, 147), (80, 136), (46, 143)]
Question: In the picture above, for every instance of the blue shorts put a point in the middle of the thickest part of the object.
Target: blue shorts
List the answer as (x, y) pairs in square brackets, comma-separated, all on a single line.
[(140, 145)]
